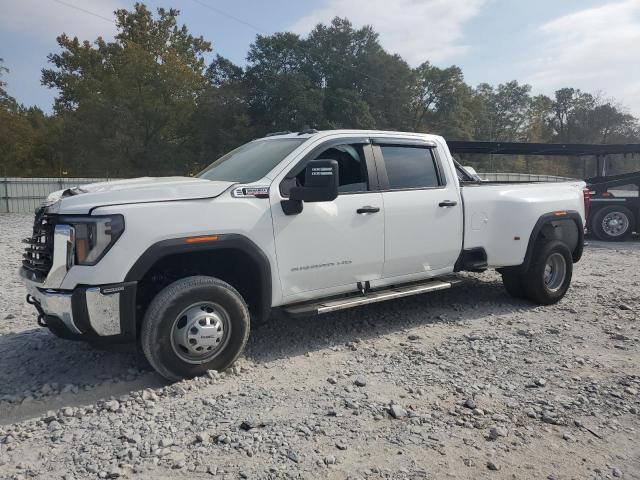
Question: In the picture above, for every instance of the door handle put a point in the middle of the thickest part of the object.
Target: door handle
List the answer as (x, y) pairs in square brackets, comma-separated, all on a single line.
[(368, 209), (447, 203)]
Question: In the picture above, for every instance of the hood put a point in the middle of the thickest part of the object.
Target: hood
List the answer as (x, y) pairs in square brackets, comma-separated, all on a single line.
[(135, 190)]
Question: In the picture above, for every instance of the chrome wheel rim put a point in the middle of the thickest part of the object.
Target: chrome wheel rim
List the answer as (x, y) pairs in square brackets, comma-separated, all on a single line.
[(615, 224), (555, 271), (200, 332)]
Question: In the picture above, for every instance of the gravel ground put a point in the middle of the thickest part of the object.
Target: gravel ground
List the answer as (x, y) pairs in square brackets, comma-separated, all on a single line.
[(466, 383)]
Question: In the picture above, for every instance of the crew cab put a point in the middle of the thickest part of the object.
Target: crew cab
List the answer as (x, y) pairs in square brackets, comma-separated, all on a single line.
[(305, 223)]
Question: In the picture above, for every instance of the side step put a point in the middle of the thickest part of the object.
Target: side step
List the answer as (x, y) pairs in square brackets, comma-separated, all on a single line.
[(333, 304)]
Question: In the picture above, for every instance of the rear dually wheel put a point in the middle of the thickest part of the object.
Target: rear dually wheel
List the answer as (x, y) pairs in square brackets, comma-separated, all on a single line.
[(548, 277)]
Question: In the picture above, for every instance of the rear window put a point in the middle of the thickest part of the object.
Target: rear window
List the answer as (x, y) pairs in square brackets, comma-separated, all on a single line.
[(410, 167)]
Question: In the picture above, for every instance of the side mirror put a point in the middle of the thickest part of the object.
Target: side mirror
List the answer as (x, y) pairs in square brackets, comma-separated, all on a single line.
[(321, 185)]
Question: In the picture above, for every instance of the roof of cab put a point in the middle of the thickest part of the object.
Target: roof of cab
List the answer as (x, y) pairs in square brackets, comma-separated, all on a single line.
[(370, 133), (319, 136)]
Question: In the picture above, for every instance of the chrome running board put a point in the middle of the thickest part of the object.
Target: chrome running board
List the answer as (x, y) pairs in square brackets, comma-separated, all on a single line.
[(333, 304)]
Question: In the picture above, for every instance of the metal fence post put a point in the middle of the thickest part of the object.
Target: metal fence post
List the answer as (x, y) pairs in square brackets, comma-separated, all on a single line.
[(5, 195)]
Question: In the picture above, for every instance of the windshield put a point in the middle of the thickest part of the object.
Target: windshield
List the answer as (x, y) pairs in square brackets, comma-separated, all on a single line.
[(251, 161)]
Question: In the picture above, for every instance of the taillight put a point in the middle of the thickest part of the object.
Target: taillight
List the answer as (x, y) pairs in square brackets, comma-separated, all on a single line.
[(586, 195)]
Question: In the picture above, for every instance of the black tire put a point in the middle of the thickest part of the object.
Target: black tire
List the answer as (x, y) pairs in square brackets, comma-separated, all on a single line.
[(162, 315), (598, 229), (535, 287), (513, 284)]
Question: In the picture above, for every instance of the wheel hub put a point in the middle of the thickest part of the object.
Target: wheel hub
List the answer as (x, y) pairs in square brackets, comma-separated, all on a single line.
[(200, 332), (615, 224), (555, 271)]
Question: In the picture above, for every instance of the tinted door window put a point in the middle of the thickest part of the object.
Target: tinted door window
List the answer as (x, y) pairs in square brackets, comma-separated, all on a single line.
[(352, 169), (410, 167)]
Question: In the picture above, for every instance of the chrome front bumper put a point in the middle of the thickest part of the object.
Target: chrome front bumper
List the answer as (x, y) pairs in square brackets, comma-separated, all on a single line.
[(107, 311), (52, 303)]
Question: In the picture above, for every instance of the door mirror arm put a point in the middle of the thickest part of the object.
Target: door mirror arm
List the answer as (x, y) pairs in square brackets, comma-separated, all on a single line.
[(291, 207)]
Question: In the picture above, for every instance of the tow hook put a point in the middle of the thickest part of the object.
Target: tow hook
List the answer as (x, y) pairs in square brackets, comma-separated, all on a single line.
[(32, 301)]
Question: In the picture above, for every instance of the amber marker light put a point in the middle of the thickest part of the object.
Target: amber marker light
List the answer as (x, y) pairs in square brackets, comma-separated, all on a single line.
[(203, 239), (560, 214)]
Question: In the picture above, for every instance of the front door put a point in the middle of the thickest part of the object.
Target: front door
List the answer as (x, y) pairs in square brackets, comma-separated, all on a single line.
[(423, 211), (331, 246)]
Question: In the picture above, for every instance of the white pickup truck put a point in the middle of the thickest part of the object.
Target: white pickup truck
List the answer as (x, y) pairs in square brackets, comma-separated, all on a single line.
[(306, 223)]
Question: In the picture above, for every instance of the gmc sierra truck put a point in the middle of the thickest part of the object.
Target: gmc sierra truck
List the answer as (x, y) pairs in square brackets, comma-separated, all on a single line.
[(305, 223)]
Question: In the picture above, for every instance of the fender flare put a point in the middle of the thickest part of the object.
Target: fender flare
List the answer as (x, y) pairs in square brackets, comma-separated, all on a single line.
[(227, 241), (545, 219)]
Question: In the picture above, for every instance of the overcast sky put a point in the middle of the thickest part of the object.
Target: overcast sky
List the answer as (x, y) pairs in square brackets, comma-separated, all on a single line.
[(589, 44)]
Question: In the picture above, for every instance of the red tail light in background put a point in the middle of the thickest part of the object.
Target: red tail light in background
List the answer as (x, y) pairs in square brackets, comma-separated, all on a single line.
[(586, 194)]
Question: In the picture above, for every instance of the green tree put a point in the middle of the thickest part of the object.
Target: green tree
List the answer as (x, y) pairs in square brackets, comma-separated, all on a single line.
[(539, 128), (221, 120), (125, 103), (17, 134), (584, 118), (363, 85), (147, 103), (442, 102), (569, 110), (503, 111), (282, 94), (612, 125), (16, 142), (337, 77), (7, 102)]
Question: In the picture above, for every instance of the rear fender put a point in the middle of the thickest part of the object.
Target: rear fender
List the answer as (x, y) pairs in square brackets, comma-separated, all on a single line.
[(565, 226)]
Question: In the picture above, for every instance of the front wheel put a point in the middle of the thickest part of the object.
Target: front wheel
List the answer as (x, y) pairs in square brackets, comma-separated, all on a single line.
[(194, 325), (549, 275)]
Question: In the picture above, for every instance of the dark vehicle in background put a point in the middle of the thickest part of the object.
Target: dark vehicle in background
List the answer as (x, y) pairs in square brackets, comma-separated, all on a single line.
[(614, 212)]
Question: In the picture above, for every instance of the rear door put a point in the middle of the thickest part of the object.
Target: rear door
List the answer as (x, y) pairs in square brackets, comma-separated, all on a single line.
[(423, 209)]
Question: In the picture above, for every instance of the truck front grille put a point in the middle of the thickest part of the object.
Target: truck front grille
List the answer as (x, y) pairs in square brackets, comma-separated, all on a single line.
[(38, 255)]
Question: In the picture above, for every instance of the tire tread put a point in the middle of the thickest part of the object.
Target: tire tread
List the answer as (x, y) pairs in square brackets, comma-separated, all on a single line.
[(533, 287)]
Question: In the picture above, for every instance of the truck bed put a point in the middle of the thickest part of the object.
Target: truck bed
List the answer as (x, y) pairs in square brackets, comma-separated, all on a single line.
[(500, 216)]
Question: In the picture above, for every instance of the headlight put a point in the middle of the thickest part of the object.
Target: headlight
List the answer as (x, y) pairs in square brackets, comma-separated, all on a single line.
[(94, 236)]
